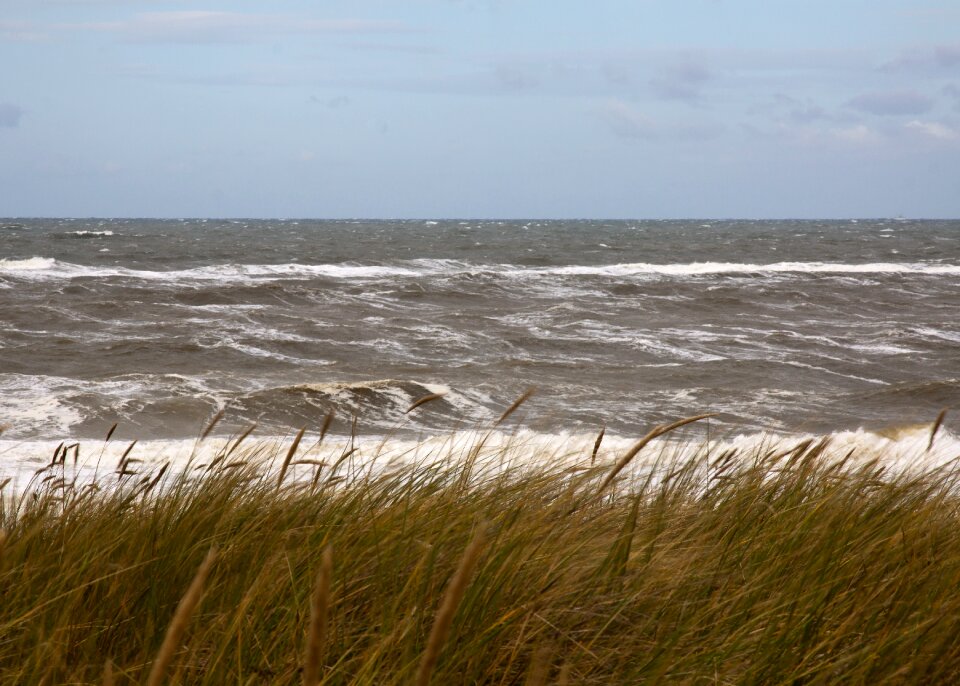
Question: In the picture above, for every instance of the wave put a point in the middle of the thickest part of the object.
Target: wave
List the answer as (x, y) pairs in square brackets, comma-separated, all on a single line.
[(934, 393), (168, 405), (46, 267), (85, 234), (901, 449), (30, 264), (383, 401), (705, 268)]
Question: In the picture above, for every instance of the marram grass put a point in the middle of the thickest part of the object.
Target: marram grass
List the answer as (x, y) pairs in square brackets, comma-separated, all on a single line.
[(771, 567)]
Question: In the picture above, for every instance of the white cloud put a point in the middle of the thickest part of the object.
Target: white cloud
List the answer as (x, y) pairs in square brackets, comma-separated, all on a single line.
[(859, 134), (933, 129)]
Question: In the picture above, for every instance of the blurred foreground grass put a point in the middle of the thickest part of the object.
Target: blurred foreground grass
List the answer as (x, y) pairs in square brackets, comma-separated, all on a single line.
[(780, 565)]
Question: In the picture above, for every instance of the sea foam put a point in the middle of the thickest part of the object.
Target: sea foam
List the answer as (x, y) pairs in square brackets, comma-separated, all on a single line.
[(45, 267), (902, 450)]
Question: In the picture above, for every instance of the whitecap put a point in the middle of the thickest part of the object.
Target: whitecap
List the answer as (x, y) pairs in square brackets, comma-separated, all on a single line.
[(90, 234), (28, 264)]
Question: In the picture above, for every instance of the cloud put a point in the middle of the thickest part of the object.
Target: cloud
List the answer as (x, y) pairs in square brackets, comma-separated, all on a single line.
[(681, 82), (627, 122), (204, 27), (515, 78), (947, 55), (333, 103), (859, 134), (952, 90), (797, 111), (932, 58), (10, 115), (932, 129), (892, 103), (20, 32)]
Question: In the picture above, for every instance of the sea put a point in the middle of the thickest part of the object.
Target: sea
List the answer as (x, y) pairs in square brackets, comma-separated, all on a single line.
[(787, 328)]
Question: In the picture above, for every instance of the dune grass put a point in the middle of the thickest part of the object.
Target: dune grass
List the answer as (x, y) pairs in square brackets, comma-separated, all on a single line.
[(778, 566)]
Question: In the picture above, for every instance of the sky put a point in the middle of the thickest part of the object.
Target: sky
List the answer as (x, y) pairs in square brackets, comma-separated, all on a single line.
[(480, 108)]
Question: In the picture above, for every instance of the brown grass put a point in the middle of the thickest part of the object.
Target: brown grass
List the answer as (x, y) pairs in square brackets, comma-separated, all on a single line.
[(181, 618)]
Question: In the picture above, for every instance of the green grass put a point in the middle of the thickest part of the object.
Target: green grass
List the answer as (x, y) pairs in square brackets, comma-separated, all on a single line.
[(762, 568)]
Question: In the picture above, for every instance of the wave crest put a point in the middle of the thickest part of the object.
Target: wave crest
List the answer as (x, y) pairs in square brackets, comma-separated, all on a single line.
[(45, 267)]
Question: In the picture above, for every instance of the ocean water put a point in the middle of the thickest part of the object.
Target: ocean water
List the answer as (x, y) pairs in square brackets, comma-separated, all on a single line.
[(782, 326)]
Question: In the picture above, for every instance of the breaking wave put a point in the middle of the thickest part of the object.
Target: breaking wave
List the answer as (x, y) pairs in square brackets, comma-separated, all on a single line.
[(901, 449), (85, 234), (45, 267)]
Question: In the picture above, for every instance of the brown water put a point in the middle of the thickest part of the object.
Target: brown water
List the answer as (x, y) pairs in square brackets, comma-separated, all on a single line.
[(789, 325)]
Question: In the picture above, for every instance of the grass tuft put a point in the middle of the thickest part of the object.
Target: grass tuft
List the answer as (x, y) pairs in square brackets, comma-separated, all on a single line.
[(778, 564)]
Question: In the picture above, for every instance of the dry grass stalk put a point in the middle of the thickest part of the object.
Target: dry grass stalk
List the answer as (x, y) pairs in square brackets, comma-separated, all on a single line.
[(212, 424), (936, 427), (639, 445), (319, 609), (289, 456), (327, 421), (122, 466), (110, 433), (516, 404), (56, 454), (249, 430), (448, 606), (156, 479), (423, 401), (188, 603), (108, 673), (596, 446)]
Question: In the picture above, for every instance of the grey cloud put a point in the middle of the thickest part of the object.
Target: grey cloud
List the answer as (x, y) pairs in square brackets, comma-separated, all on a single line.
[(952, 90), (333, 103), (947, 55), (892, 103), (617, 74), (626, 122), (516, 78), (681, 82), (808, 113), (227, 27), (934, 58), (10, 115), (795, 110)]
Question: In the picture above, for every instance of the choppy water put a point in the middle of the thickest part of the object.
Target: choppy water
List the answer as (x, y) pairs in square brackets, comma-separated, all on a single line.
[(787, 325)]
